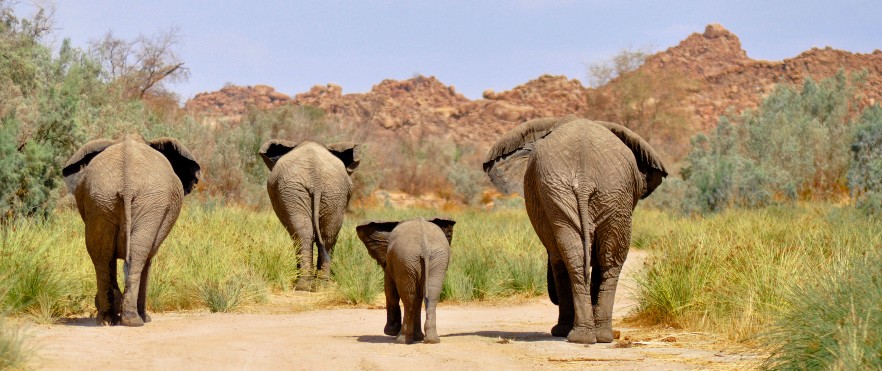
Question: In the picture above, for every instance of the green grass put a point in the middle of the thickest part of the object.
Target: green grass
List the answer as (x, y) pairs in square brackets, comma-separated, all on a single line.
[(790, 271), (222, 257), (834, 322)]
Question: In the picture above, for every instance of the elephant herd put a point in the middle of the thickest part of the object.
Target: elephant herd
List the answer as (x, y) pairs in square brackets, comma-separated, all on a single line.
[(580, 179)]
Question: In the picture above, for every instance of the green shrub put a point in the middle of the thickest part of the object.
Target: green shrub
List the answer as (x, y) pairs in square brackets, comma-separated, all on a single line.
[(794, 146), (865, 172)]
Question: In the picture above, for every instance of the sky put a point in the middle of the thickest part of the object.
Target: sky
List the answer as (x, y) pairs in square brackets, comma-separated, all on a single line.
[(472, 45)]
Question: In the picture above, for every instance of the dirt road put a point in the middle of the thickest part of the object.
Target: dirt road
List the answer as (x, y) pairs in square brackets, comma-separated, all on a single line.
[(482, 336)]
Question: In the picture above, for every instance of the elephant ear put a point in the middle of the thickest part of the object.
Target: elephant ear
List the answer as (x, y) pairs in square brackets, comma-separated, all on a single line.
[(274, 149), (446, 226), (181, 160), (648, 162), (72, 170), (349, 153), (506, 163), (375, 236)]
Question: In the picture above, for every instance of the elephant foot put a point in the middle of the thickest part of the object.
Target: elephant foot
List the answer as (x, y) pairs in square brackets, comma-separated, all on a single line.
[(303, 284), (418, 336), (582, 335), (561, 329), (146, 318), (431, 338), (107, 319), (604, 332), (132, 320), (401, 339), (392, 329)]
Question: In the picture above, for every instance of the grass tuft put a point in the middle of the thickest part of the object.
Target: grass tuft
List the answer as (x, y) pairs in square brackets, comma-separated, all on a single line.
[(732, 273)]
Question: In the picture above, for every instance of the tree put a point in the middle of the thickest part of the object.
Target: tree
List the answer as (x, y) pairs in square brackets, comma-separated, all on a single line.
[(143, 66), (646, 100)]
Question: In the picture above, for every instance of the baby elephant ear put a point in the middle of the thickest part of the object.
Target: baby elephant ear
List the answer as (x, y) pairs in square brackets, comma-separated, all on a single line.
[(349, 153), (446, 226), (181, 160), (72, 170), (272, 150), (375, 236)]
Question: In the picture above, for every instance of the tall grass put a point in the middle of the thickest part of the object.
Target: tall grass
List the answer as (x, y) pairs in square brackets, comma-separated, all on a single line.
[(223, 257), (733, 273), (834, 322)]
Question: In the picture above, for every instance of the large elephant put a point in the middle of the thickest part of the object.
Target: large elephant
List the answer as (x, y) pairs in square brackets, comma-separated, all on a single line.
[(581, 180), (129, 194), (309, 187), (414, 255)]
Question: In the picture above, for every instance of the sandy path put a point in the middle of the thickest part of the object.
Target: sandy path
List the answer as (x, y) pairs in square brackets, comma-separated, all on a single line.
[(498, 336)]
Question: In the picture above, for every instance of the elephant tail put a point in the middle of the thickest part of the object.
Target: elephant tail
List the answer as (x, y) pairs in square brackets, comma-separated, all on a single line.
[(316, 204), (425, 255), (127, 210), (583, 199)]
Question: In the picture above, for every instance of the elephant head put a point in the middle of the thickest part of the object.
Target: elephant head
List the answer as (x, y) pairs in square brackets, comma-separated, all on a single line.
[(506, 162), (375, 235), (184, 164), (348, 153)]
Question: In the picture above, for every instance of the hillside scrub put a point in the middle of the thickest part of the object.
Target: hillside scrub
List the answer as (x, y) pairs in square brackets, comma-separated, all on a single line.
[(738, 272), (795, 146)]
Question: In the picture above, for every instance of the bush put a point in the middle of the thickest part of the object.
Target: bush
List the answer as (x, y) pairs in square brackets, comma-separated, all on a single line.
[(794, 146), (865, 172)]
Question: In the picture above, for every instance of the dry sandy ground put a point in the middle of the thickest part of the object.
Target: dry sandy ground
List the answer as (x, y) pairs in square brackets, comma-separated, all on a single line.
[(501, 335)]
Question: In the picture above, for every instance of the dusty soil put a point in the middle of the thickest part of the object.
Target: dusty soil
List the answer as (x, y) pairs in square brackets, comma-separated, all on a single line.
[(500, 335)]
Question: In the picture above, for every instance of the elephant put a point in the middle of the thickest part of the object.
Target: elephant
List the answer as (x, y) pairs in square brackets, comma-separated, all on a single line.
[(414, 255), (309, 187), (580, 180), (128, 193)]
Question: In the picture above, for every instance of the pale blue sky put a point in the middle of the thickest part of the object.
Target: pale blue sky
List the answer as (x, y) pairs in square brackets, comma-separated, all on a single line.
[(473, 45)]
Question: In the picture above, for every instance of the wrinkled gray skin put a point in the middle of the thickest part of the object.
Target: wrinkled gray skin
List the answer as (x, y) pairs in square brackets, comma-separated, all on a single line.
[(581, 180), (309, 187), (129, 194), (414, 255)]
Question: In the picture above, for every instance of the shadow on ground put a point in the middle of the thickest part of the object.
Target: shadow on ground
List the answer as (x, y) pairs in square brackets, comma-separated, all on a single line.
[(510, 335), (78, 322)]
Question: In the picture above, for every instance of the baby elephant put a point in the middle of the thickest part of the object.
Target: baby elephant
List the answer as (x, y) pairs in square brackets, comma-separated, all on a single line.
[(414, 255)]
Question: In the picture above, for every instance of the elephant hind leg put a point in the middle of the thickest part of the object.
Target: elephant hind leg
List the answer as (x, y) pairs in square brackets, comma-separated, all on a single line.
[(573, 253), (612, 247), (301, 232), (101, 243), (563, 288)]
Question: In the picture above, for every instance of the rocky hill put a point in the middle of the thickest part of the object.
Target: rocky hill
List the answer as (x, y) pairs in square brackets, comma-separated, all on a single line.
[(726, 77)]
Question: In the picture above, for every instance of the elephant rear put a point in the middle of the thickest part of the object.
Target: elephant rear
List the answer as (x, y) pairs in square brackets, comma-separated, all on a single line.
[(129, 195)]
